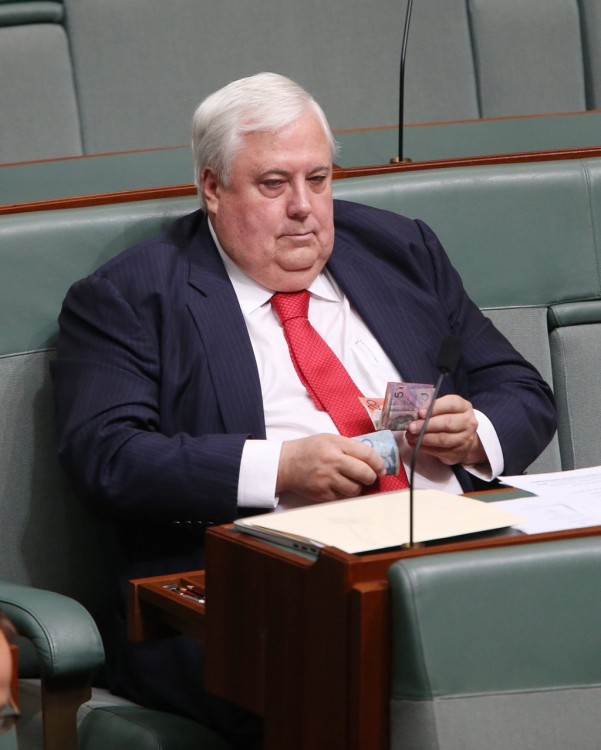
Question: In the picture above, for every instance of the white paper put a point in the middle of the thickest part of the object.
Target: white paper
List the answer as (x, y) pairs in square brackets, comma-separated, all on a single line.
[(563, 500), (379, 521)]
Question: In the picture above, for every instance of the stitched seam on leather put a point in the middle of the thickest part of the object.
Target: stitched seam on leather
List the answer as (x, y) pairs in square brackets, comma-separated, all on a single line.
[(591, 215)]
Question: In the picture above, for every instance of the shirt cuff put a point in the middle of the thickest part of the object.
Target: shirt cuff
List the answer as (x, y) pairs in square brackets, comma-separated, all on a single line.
[(492, 447), (258, 474)]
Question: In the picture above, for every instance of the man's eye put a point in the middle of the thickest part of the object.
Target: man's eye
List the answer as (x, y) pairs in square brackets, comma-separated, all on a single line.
[(317, 179), (271, 184)]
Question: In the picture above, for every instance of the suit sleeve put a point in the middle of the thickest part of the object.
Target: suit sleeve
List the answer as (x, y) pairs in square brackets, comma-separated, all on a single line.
[(108, 381)]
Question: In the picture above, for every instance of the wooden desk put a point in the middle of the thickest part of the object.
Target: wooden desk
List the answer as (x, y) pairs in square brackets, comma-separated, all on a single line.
[(302, 641)]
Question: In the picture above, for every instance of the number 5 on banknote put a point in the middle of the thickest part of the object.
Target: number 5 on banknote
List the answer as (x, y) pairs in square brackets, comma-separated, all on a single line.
[(402, 402)]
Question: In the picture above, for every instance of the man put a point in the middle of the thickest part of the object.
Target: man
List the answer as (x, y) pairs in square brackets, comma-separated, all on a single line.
[(179, 401)]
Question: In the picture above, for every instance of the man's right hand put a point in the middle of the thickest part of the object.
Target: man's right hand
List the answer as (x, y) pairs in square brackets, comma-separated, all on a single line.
[(327, 467)]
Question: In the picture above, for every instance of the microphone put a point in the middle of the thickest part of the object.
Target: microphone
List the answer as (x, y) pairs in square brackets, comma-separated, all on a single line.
[(448, 358), (399, 159)]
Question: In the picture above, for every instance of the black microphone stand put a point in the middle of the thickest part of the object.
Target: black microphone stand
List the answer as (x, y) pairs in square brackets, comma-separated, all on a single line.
[(418, 443), (400, 159), (448, 357)]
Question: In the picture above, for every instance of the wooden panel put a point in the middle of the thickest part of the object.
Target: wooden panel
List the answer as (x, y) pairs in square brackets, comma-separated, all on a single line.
[(164, 606)]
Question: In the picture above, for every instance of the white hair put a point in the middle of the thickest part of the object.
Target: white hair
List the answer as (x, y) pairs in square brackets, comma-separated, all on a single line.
[(259, 103)]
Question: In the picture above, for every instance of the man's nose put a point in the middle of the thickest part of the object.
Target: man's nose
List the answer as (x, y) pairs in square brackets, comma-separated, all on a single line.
[(299, 203)]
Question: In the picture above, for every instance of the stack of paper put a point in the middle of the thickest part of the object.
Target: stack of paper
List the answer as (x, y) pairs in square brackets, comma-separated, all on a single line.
[(379, 521), (562, 500)]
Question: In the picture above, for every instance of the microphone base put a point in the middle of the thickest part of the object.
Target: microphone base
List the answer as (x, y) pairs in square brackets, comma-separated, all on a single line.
[(414, 545), (398, 160)]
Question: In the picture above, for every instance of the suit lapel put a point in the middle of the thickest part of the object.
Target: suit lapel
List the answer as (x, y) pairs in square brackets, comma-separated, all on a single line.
[(222, 330), (383, 300)]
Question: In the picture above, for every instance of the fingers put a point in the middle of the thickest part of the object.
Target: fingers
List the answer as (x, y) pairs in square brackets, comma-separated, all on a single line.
[(451, 434), (327, 467)]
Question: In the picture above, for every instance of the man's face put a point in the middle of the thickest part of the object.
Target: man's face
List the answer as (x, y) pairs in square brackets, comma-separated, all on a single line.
[(275, 217)]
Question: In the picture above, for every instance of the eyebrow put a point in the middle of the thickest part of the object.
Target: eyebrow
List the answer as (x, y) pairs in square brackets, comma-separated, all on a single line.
[(287, 172)]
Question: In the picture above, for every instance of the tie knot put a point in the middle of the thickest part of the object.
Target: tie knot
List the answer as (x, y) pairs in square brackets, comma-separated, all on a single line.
[(290, 305)]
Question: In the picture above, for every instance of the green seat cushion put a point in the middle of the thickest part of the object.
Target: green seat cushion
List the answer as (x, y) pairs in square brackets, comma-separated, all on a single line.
[(137, 728)]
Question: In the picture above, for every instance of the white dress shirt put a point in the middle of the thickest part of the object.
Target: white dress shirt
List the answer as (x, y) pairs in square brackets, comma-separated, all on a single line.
[(289, 410)]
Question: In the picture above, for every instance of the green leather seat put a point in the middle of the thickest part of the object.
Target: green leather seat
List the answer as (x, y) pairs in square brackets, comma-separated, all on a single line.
[(127, 727), (69, 651), (498, 648)]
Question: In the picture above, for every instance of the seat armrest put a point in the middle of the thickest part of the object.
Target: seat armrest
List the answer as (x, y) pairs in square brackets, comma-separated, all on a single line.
[(62, 631)]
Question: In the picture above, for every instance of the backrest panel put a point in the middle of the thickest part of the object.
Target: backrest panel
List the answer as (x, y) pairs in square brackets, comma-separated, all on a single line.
[(519, 234), (40, 119), (440, 76), (43, 253), (576, 352), (529, 56), (590, 16), (165, 57), (526, 328)]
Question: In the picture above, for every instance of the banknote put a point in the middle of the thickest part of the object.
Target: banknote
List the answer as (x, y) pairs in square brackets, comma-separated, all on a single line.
[(384, 442), (402, 402), (373, 406)]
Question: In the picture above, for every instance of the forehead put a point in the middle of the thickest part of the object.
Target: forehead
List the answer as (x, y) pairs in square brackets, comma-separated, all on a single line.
[(303, 142)]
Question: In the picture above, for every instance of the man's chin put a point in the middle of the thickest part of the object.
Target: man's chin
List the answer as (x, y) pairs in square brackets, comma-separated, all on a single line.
[(293, 280)]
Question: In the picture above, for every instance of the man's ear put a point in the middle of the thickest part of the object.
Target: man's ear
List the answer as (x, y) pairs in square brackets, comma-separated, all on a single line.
[(210, 189)]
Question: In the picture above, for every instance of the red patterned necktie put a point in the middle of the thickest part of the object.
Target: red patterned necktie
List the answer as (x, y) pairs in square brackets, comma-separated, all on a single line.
[(323, 375)]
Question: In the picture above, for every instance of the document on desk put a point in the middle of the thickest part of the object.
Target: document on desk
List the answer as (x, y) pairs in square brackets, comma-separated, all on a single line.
[(375, 522), (561, 500)]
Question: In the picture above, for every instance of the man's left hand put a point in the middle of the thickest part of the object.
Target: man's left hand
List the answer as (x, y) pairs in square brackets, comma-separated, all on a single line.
[(451, 434)]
